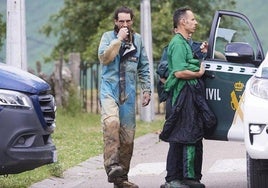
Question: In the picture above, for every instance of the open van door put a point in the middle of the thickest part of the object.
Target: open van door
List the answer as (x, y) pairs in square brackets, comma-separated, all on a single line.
[(234, 54)]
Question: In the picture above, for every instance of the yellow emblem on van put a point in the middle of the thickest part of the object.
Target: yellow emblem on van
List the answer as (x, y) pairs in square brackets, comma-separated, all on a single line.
[(238, 86)]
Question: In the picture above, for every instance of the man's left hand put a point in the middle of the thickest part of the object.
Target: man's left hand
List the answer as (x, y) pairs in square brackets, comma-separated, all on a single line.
[(146, 99)]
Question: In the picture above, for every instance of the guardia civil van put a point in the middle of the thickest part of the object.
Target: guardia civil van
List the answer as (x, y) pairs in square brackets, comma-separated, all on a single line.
[(236, 81)]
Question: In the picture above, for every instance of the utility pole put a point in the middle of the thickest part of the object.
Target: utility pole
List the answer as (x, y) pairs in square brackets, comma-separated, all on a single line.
[(148, 112), (16, 54)]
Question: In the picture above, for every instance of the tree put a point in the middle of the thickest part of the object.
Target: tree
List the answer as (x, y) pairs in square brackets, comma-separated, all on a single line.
[(80, 23), (162, 21), (2, 31)]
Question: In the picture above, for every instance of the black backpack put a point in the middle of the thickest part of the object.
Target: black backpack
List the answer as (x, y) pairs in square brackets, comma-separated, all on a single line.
[(162, 71)]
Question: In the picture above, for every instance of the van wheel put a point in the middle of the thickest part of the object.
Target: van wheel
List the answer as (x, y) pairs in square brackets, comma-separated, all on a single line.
[(257, 172)]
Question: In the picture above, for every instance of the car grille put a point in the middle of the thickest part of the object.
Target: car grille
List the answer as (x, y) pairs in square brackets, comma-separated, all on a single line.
[(48, 108)]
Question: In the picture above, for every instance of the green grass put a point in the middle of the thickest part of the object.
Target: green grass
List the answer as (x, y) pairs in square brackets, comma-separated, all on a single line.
[(78, 136)]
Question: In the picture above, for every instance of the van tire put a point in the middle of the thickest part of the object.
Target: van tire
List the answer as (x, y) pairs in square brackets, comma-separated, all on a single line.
[(257, 172)]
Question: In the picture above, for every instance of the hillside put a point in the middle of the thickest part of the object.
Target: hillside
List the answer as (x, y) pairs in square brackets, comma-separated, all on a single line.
[(37, 14)]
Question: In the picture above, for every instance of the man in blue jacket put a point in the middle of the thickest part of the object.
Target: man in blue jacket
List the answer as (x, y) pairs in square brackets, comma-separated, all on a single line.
[(123, 58)]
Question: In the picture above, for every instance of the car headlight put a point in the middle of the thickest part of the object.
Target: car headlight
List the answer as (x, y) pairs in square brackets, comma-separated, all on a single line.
[(14, 99), (259, 87)]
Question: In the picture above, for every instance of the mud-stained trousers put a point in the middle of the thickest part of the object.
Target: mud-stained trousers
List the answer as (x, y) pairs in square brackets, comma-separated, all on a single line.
[(118, 138)]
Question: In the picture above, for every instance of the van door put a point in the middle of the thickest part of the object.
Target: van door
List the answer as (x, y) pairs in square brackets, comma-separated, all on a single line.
[(234, 54)]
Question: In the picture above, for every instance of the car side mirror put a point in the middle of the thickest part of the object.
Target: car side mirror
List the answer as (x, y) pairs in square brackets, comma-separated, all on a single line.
[(239, 52)]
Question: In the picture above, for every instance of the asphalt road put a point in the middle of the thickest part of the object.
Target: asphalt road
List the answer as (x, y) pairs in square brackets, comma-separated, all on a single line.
[(224, 166)]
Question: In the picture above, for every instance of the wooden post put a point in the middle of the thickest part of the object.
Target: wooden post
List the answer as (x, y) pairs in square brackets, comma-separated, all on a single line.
[(58, 85), (74, 61)]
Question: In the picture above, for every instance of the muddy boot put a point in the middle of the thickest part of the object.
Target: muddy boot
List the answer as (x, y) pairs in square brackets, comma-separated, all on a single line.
[(111, 148), (125, 184), (125, 155), (115, 171)]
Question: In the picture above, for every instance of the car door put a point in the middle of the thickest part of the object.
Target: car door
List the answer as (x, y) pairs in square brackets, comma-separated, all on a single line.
[(234, 53)]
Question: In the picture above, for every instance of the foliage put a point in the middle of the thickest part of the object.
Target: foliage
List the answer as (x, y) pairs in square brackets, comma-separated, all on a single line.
[(80, 23), (77, 138), (2, 30)]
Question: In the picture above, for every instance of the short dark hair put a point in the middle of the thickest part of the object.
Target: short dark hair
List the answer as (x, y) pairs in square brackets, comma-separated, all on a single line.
[(178, 15), (123, 9)]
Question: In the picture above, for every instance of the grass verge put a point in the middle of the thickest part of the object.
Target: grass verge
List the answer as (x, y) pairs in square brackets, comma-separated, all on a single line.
[(78, 136)]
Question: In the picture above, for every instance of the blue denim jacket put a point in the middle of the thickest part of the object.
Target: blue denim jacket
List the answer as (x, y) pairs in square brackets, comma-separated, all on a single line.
[(137, 65)]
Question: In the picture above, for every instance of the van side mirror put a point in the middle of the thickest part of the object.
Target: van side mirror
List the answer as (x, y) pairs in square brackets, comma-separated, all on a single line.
[(239, 52)]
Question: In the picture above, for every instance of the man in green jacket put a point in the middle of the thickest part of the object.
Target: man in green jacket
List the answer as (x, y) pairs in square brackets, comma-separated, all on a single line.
[(182, 68)]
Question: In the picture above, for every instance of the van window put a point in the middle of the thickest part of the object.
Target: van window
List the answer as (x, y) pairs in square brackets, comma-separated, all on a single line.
[(232, 29)]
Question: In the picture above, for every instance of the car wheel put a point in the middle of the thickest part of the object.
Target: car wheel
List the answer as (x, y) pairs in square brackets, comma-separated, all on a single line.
[(257, 172)]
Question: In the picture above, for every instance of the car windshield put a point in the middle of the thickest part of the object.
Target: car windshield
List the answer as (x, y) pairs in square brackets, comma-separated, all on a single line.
[(265, 72), (262, 71)]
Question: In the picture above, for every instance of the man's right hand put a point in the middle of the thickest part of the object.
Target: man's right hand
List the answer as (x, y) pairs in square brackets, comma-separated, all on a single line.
[(204, 47), (123, 33)]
